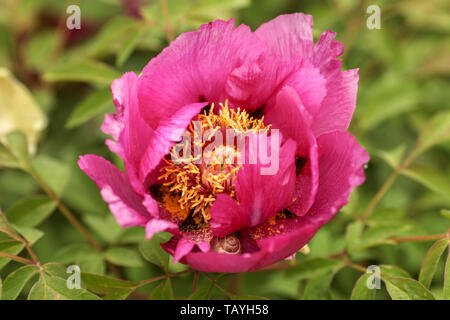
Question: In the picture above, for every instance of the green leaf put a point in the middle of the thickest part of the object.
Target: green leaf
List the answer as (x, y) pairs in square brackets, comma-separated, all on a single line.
[(17, 101), (112, 35), (387, 98), (388, 217), (446, 289), (105, 226), (388, 270), (6, 228), (97, 103), (361, 291), (203, 293), (130, 44), (11, 247), (123, 257), (1, 289), (18, 144), (406, 289), (93, 263), (379, 235), (445, 213), (30, 234), (82, 71), (39, 50), (353, 235), (55, 269), (164, 291), (434, 132), (55, 288), (431, 260), (54, 172), (105, 285), (74, 252), (151, 251), (16, 280), (119, 294), (7, 158), (312, 268), (31, 211), (393, 157), (207, 10), (131, 235), (429, 177), (317, 287)]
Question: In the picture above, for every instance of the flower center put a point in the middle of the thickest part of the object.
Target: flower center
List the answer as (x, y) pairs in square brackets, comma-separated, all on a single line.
[(193, 177)]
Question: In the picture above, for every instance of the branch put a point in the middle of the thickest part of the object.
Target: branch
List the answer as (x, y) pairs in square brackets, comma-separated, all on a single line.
[(16, 258)]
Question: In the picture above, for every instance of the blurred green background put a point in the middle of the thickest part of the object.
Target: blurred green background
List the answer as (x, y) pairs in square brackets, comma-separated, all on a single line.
[(404, 82)]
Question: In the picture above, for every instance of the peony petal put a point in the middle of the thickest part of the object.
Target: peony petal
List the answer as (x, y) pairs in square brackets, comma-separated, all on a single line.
[(124, 203), (328, 94), (287, 235), (209, 261), (158, 225), (289, 115), (290, 41), (341, 163), (204, 246), (341, 86), (128, 127), (342, 160), (194, 68), (183, 248), (260, 195), (326, 50), (288, 36), (338, 105), (169, 132), (227, 216)]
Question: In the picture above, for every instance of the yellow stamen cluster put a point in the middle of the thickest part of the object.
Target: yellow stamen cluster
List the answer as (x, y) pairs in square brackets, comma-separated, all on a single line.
[(191, 185)]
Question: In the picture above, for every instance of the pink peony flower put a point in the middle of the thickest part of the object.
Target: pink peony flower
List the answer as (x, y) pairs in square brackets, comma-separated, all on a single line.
[(232, 217)]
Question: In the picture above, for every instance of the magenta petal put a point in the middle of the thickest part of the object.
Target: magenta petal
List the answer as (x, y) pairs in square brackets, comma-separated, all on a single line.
[(342, 86), (288, 36), (290, 42), (338, 105), (260, 195), (227, 216), (112, 125), (289, 114), (204, 246), (183, 248), (123, 202), (341, 163), (164, 137), (158, 225), (194, 68), (246, 87), (127, 127), (286, 235), (326, 50), (215, 262)]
